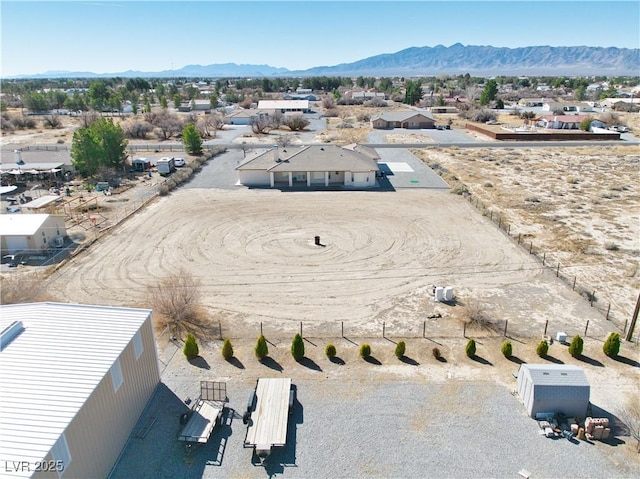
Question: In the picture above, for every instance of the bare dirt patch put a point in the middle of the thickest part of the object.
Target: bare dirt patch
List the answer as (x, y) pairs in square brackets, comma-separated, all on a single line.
[(578, 205)]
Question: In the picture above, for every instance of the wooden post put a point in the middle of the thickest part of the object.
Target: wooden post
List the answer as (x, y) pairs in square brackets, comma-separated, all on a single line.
[(531, 247), (260, 328), (220, 328), (491, 215), (634, 318), (519, 234), (626, 321), (586, 328), (300, 328), (499, 222), (558, 270), (574, 283), (383, 328), (608, 309), (506, 322), (545, 327), (464, 330), (544, 256), (342, 328), (508, 229), (593, 295), (424, 329)]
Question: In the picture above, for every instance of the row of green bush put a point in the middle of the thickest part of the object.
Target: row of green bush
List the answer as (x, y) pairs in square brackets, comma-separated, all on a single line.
[(611, 348)]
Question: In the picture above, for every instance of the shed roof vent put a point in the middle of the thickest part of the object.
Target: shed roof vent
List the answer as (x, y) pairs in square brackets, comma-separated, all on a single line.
[(9, 333)]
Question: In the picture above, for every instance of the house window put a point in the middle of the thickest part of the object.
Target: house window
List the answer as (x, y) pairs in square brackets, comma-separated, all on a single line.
[(137, 344), (116, 375), (60, 452)]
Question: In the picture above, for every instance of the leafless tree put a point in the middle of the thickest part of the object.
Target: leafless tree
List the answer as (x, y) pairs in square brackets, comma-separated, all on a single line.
[(150, 116), (296, 122), (328, 102), (88, 117), (244, 147), (137, 129), (261, 125), (375, 102), (167, 124), (629, 414), (284, 140), (476, 315), (176, 299), (52, 121)]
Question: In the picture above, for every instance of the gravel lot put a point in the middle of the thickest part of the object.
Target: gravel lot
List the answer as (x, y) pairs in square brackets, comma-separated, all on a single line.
[(375, 427)]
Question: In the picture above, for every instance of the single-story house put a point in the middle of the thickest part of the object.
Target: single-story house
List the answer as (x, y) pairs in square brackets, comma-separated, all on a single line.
[(553, 388), (553, 106), (246, 117), (561, 122), (300, 96), (411, 119), (310, 166), (365, 95), (532, 102), (75, 380), (285, 105), (444, 109), (31, 233)]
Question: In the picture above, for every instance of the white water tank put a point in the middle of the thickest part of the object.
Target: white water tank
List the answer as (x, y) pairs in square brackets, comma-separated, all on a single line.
[(448, 293), (439, 293)]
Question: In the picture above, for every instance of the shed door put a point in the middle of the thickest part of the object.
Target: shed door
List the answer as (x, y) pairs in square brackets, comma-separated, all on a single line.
[(16, 243)]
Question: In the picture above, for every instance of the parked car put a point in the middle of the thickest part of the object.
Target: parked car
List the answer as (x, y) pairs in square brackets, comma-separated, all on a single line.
[(179, 162)]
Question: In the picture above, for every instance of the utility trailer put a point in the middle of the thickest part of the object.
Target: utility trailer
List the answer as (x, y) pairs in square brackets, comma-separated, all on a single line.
[(268, 415), (203, 416)]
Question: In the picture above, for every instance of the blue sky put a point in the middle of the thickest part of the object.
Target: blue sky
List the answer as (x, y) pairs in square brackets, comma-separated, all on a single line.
[(103, 36)]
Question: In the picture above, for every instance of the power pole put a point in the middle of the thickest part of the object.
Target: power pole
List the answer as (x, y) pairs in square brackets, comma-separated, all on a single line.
[(634, 318)]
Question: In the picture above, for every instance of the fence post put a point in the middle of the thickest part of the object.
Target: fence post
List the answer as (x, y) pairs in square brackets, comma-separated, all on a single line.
[(586, 328), (300, 328), (260, 328), (544, 257), (508, 229), (499, 222), (558, 270), (342, 328), (593, 295), (491, 215), (424, 328), (464, 330), (608, 309), (546, 323), (531, 247), (220, 328), (626, 321), (574, 283), (506, 322), (519, 234), (383, 328)]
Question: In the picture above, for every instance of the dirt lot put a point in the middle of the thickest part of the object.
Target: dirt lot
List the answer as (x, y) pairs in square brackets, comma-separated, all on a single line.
[(577, 205)]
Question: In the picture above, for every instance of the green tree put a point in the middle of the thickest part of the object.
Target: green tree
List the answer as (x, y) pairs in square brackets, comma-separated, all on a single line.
[(163, 102), (507, 349), (413, 93), (101, 144), (365, 350), (190, 349), (98, 95), (489, 93), (37, 102), (586, 124), (176, 101), (580, 93), (227, 350), (611, 346), (576, 347), (191, 140), (261, 349), (297, 347), (330, 350), (401, 347), (470, 348), (542, 349)]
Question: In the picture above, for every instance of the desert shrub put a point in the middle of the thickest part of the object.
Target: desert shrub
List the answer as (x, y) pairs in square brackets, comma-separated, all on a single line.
[(400, 349), (459, 189), (261, 349), (52, 121), (365, 350), (507, 349), (436, 353), (331, 113), (576, 347), (611, 346), (190, 349), (542, 349), (330, 350), (483, 116), (227, 350), (297, 347), (470, 348), (363, 117), (163, 190)]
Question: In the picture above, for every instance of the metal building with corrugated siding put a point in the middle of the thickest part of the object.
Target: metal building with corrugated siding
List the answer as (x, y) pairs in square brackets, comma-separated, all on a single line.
[(75, 379), (554, 388)]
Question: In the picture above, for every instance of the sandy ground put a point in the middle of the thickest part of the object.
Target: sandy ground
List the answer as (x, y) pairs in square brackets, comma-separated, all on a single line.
[(577, 205), (254, 252)]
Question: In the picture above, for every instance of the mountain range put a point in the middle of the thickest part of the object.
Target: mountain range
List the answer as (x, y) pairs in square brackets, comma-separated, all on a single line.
[(425, 61)]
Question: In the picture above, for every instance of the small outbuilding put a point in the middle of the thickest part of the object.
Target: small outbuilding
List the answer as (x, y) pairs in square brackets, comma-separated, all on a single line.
[(554, 388), (31, 233)]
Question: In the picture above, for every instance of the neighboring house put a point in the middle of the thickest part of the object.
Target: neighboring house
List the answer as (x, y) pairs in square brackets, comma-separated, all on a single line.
[(532, 102), (75, 380), (31, 233), (411, 119), (444, 109), (246, 117), (553, 106), (561, 122), (365, 95), (285, 105), (553, 388), (308, 166), (296, 96)]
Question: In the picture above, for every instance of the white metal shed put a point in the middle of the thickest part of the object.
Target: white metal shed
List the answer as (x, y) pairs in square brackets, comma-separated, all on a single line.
[(554, 388)]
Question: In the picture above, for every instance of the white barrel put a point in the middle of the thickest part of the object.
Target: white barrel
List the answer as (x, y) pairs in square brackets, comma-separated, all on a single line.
[(448, 293), (439, 295)]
